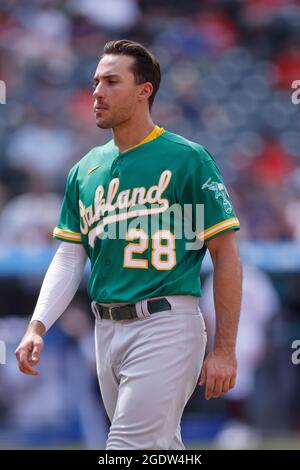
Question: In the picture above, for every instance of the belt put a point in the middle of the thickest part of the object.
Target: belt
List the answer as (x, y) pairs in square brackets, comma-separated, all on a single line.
[(128, 312)]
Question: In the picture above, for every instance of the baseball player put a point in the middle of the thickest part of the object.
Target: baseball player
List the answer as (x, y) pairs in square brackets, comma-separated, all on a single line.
[(124, 205)]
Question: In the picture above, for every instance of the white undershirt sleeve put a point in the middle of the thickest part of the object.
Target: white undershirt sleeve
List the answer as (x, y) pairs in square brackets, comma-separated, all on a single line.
[(60, 283)]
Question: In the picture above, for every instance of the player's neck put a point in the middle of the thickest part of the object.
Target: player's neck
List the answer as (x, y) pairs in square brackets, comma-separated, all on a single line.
[(132, 132)]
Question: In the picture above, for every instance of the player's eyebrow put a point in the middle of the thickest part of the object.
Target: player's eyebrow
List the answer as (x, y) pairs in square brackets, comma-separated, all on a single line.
[(106, 75)]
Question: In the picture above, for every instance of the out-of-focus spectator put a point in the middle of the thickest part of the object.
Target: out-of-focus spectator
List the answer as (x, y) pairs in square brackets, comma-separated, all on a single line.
[(117, 15), (29, 219)]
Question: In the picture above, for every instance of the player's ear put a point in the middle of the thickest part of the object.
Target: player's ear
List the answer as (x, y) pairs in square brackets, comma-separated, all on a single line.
[(146, 90)]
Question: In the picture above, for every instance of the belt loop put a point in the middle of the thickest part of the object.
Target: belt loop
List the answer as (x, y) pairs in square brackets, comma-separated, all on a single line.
[(144, 307), (141, 309), (110, 314), (95, 310)]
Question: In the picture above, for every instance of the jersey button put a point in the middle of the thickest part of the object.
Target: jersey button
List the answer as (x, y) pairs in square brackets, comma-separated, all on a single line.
[(107, 262), (103, 293)]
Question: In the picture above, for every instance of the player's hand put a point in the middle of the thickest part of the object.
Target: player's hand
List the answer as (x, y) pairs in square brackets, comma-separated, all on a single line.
[(218, 373), (29, 350)]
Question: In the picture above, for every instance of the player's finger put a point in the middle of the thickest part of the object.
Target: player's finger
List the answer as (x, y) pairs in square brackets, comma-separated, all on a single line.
[(232, 381), (26, 368), (24, 364), (203, 375), (210, 385), (226, 386), (217, 390), (35, 356), (17, 353)]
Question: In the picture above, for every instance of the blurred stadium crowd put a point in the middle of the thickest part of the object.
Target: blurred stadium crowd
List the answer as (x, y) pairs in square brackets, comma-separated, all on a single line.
[(227, 71)]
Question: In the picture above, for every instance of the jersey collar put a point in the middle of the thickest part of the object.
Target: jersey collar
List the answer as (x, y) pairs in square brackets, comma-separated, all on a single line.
[(154, 134)]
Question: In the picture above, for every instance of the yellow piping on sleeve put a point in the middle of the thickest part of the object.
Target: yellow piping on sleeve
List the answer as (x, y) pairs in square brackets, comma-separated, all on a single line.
[(217, 228), (67, 235)]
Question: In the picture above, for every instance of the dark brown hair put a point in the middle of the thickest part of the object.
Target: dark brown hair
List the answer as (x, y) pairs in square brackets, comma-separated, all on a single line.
[(145, 68)]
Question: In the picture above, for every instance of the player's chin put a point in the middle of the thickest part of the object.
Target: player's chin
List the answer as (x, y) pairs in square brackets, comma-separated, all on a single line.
[(102, 124)]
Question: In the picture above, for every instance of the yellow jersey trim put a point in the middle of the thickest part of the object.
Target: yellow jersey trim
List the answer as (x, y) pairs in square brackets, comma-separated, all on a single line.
[(67, 235), (156, 132), (219, 227)]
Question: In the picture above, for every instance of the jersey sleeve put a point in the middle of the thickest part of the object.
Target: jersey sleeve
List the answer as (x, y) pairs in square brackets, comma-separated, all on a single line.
[(206, 187), (68, 227)]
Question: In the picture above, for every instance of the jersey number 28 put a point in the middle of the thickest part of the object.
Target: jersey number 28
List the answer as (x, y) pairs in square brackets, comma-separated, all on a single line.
[(163, 255)]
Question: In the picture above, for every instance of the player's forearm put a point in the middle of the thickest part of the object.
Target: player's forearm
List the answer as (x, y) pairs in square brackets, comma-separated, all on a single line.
[(227, 298), (60, 284)]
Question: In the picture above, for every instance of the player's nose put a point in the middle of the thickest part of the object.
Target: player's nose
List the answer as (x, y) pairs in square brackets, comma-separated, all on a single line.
[(99, 92)]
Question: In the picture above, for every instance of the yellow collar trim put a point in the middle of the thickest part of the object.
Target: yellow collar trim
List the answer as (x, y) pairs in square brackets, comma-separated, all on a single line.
[(156, 132)]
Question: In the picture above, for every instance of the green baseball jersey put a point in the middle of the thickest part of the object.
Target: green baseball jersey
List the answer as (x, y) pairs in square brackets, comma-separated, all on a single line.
[(144, 215)]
